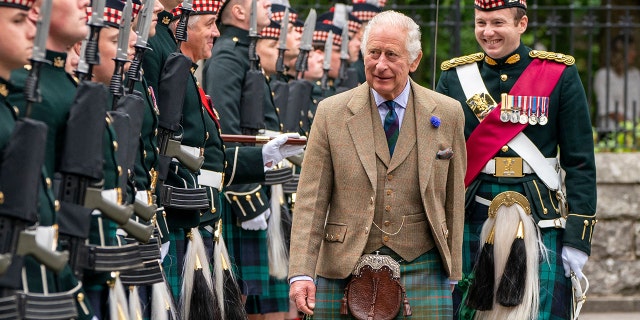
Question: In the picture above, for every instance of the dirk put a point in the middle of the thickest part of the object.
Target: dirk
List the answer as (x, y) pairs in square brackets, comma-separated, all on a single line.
[(282, 43), (326, 64), (181, 28), (305, 43), (31, 91), (142, 30), (253, 35), (89, 55), (344, 54), (116, 86)]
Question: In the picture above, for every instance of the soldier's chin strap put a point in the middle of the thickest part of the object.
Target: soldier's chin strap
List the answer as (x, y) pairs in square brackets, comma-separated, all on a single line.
[(579, 294)]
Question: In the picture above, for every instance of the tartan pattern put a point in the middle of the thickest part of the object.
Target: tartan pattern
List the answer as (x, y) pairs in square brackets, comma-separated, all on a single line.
[(200, 7), (275, 300), (321, 36), (136, 7), (425, 282), (248, 253), (271, 32), (364, 16), (112, 15), (499, 4), (22, 4), (277, 13), (174, 261), (555, 288), (378, 3)]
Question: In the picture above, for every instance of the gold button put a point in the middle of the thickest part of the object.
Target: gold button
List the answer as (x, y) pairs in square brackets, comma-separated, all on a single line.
[(389, 192), (119, 170), (157, 150), (387, 223), (144, 153), (390, 177), (155, 132), (385, 238), (207, 138), (235, 39), (16, 110), (278, 110), (387, 208), (115, 146), (1, 197), (503, 77), (505, 148), (48, 181), (56, 205)]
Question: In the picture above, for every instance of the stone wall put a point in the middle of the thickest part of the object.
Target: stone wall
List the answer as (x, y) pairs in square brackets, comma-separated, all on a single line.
[(613, 269)]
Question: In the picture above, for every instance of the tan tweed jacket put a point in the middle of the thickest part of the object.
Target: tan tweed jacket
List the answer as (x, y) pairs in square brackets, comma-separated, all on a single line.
[(334, 208)]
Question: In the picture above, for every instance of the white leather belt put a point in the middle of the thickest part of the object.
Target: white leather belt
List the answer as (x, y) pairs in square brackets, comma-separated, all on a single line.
[(490, 167), (553, 223), (211, 179)]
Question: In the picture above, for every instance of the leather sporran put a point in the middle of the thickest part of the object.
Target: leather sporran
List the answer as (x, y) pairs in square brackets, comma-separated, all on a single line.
[(374, 291)]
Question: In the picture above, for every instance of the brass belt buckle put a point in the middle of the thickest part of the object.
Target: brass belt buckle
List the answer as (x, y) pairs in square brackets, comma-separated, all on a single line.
[(509, 167)]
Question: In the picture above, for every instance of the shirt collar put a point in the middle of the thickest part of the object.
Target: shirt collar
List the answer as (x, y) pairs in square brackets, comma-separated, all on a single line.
[(401, 100)]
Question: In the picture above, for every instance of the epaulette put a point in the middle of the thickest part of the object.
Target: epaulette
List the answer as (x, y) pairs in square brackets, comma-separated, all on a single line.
[(557, 57), (452, 63)]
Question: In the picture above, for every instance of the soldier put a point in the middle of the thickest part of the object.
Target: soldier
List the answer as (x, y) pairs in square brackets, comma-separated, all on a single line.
[(533, 104), (57, 89), (247, 207)]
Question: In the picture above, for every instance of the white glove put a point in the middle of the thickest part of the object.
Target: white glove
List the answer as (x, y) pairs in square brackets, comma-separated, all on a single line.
[(257, 223), (573, 260), (276, 149)]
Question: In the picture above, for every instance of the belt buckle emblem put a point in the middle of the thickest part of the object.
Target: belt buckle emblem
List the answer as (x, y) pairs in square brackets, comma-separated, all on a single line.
[(508, 167)]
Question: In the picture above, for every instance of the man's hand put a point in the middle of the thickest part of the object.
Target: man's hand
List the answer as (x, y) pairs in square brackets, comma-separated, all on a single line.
[(257, 223), (303, 293), (277, 149), (573, 260)]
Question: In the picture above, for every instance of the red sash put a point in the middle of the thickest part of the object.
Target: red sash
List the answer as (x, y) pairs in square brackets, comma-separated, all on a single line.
[(538, 79), (208, 105)]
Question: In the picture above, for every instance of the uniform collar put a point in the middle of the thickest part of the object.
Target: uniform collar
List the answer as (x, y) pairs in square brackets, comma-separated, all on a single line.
[(238, 35), (58, 59), (511, 59), (164, 18)]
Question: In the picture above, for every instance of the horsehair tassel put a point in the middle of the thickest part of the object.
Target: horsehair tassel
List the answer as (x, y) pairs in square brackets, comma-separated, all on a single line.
[(512, 284), (343, 306), (480, 296), (407, 307)]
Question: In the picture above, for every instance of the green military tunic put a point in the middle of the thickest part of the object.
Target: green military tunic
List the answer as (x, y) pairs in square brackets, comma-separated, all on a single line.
[(162, 44), (57, 89), (224, 75), (568, 132)]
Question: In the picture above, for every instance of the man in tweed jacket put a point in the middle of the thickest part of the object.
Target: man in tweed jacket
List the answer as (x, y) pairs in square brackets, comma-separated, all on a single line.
[(356, 197)]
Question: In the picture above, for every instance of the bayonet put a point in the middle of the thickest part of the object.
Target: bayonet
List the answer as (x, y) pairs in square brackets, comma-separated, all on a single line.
[(305, 42), (253, 35), (38, 56), (142, 29), (282, 42), (181, 28), (326, 64), (344, 54), (89, 55), (116, 86)]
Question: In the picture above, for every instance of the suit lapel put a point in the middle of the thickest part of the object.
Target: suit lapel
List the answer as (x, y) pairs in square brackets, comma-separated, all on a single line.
[(361, 129), (425, 134)]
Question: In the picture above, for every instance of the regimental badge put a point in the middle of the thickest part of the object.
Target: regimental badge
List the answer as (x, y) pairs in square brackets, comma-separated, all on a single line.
[(3, 90), (58, 62), (481, 104), (166, 20)]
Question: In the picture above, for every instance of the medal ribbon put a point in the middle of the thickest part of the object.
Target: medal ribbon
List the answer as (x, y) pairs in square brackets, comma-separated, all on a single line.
[(538, 79)]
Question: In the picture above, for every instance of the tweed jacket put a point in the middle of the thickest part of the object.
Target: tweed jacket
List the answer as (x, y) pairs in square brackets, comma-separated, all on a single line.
[(339, 178)]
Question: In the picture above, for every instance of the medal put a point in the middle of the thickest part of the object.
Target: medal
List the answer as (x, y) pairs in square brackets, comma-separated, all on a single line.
[(504, 115), (524, 119), (515, 111), (533, 118), (544, 111)]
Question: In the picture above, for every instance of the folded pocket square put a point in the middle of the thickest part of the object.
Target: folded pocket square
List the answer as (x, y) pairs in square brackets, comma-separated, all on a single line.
[(444, 154)]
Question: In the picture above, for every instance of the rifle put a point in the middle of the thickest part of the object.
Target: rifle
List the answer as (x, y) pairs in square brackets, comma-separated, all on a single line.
[(305, 43), (31, 88), (326, 64), (142, 30), (240, 138), (116, 86), (181, 28), (20, 178), (89, 55), (251, 108), (81, 168), (347, 76)]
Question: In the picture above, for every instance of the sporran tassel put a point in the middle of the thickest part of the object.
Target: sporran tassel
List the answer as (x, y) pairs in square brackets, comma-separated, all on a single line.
[(277, 249), (480, 296), (226, 287), (118, 308), (511, 288), (197, 298), (160, 307), (135, 307)]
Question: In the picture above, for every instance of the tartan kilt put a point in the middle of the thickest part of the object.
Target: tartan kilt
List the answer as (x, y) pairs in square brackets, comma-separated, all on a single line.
[(555, 288), (174, 261), (276, 299), (248, 253), (424, 279)]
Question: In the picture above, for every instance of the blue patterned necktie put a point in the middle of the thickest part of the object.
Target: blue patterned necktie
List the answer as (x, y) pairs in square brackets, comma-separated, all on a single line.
[(391, 125)]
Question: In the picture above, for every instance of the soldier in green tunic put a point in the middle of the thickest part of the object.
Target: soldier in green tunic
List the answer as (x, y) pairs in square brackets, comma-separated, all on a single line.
[(57, 89), (523, 109)]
